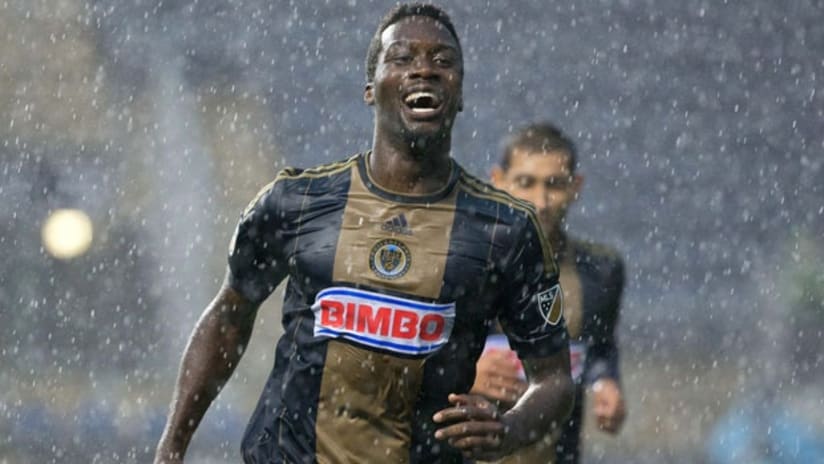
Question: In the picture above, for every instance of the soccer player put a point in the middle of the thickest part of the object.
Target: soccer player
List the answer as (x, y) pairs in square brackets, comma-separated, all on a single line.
[(398, 261), (538, 165)]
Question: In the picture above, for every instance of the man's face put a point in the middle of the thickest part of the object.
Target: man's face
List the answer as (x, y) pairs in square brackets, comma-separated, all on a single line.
[(545, 180), (418, 82)]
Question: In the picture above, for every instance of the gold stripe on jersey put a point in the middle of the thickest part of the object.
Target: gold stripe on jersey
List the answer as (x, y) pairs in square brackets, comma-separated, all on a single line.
[(323, 170), (480, 189), (366, 405), (484, 190), (292, 173), (371, 419), (426, 237)]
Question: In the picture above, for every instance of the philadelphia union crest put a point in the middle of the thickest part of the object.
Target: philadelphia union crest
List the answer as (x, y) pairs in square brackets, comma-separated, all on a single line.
[(390, 259)]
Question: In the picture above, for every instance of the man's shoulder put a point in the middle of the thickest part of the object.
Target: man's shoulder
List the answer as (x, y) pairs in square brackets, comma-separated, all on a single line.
[(291, 175), (601, 255), (483, 196), (286, 190)]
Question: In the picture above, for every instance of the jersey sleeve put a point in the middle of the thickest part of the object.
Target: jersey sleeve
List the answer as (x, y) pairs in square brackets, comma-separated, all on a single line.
[(256, 257), (602, 359), (531, 310)]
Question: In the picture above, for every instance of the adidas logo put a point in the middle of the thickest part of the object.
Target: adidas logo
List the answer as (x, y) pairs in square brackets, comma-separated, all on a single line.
[(397, 225)]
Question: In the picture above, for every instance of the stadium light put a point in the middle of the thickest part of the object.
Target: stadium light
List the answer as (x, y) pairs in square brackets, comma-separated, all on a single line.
[(67, 233)]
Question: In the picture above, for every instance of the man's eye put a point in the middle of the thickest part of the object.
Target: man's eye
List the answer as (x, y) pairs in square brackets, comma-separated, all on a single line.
[(443, 61), (558, 182), (400, 59), (524, 182)]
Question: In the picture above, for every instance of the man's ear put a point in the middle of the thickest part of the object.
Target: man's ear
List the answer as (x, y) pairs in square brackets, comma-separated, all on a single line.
[(496, 176), (369, 94)]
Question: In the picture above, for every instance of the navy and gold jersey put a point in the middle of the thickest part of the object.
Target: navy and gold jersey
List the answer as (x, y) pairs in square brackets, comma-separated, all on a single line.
[(593, 279), (388, 302), (592, 276)]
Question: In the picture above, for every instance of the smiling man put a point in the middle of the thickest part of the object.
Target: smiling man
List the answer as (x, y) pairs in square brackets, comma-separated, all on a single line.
[(397, 261)]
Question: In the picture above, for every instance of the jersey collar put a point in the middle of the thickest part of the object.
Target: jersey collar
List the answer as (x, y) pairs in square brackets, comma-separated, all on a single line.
[(372, 186)]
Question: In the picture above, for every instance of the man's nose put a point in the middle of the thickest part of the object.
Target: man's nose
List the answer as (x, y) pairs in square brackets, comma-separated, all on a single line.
[(541, 199), (422, 68)]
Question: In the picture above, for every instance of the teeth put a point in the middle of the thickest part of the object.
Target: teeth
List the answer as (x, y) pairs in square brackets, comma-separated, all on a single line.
[(416, 95)]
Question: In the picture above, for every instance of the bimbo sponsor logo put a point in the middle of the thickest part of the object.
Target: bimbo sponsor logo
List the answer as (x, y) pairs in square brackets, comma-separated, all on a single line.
[(382, 321)]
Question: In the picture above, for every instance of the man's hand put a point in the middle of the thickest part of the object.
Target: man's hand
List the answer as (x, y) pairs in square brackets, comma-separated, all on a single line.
[(608, 405), (473, 425), (498, 377)]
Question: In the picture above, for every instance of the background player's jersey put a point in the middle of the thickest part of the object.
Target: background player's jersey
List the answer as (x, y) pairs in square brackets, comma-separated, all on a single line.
[(593, 280), (593, 286), (388, 302)]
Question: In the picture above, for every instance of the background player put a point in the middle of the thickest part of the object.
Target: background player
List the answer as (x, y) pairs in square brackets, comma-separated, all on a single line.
[(538, 165), (391, 289)]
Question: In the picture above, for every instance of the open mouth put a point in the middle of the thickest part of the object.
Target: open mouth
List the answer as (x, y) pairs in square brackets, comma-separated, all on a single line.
[(423, 102)]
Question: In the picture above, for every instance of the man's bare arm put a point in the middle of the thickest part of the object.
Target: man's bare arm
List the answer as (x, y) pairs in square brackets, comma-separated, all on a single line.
[(474, 425), (550, 391), (214, 350)]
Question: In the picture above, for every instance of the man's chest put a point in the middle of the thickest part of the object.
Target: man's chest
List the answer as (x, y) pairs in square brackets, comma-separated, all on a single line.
[(433, 252)]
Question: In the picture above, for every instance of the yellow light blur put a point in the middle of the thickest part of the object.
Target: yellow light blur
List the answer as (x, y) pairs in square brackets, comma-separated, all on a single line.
[(67, 233)]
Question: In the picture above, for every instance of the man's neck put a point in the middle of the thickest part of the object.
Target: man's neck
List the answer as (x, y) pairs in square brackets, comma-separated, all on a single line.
[(557, 240), (400, 166)]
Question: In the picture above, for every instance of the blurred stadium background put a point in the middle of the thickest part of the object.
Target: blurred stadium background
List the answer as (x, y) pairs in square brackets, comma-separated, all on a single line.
[(147, 126)]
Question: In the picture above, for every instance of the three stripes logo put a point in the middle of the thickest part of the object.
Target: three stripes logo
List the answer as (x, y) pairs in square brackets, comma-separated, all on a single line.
[(397, 225)]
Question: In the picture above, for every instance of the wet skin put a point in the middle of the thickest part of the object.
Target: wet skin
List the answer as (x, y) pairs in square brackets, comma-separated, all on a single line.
[(412, 137), (545, 180)]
